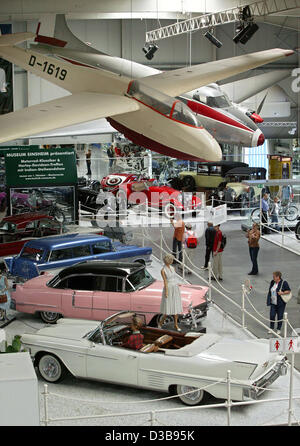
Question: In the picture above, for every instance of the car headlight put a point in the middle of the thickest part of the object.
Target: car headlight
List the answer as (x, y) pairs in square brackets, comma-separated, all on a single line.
[(233, 194), (220, 193)]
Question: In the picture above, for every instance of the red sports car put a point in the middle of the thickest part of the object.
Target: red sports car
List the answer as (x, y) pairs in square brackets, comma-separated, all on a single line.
[(137, 190)]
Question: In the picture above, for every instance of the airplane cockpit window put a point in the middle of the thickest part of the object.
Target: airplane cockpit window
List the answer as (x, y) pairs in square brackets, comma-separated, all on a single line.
[(162, 103), (183, 114), (153, 98), (200, 98), (218, 101)]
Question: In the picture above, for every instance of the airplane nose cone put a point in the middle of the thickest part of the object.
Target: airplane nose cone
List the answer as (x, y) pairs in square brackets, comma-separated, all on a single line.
[(213, 150), (258, 138)]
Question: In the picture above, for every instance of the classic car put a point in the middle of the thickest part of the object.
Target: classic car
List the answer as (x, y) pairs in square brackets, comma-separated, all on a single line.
[(112, 181), (16, 230), (133, 190), (235, 193), (57, 252), (97, 289), (208, 175), (193, 365)]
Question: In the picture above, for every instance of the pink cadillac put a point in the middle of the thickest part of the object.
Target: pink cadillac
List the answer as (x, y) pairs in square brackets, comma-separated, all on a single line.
[(98, 289)]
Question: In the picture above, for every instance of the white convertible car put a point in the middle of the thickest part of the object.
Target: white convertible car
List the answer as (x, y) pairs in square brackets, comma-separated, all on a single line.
[(193, 365)]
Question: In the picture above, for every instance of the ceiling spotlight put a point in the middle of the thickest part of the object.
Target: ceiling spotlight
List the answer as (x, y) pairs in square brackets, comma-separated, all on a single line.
[(246, 33), (149, 50), (213, 39)]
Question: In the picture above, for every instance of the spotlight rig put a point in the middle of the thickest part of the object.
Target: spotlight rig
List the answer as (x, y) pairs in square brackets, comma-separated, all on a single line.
[(213, 39), (246, 27), (149, 50)]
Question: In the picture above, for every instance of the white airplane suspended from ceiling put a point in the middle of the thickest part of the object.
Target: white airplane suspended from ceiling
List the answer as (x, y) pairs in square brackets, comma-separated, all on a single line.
[(147, 111)]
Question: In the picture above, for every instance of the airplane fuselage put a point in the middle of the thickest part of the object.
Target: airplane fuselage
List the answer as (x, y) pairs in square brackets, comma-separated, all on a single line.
[(230, 125)]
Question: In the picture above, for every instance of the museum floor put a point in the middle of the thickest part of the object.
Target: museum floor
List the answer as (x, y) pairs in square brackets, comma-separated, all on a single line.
[(101, 398)]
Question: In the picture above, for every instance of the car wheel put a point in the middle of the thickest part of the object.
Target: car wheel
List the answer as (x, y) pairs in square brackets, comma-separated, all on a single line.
[(169, 210), (189, 183), (292, 213), (49, 317), (255, 215), (297, 231), (168, 320), (192, 398), (51, 368)]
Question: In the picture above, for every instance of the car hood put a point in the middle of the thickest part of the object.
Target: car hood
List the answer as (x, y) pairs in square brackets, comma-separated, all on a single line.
[(72, 329)]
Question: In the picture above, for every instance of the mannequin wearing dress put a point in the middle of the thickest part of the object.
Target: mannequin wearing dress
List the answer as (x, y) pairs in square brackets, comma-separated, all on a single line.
[(171, 299)]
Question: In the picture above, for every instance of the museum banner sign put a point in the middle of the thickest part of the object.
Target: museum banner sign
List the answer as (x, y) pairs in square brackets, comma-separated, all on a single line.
[(38, 167)]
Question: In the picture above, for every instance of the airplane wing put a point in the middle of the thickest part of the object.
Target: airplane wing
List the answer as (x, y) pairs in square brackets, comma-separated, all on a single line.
[(243, 89), (69, 110), (177, 82)]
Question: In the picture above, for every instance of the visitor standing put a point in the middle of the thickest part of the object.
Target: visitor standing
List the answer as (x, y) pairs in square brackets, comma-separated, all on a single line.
[(264, 214), (277, 288), (171, 304), (88, 162), (178, 237), (253, 236), (274, 212), (190, 245), (217, 254), (209, 243)]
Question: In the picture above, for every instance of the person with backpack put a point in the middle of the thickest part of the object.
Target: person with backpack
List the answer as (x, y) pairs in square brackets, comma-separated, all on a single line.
[(218, 247), (190, 244)]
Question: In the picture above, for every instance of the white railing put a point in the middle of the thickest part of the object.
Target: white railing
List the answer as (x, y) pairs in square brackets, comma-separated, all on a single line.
[(228, 404)]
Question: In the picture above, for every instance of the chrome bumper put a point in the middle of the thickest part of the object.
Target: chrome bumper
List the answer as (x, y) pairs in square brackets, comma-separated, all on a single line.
[(261, 385)]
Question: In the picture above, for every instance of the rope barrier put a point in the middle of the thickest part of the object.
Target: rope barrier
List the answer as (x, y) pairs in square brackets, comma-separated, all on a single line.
[(136, 401)]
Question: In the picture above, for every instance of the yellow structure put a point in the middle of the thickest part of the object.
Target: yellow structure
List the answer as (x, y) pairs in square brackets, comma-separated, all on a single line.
[(280, 167)]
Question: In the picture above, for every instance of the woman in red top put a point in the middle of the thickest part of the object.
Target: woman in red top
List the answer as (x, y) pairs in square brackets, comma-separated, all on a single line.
[(217, 255)]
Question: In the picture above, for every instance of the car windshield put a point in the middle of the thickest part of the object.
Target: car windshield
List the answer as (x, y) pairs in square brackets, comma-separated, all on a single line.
[(140, 279), (7, 226), (34, 254)]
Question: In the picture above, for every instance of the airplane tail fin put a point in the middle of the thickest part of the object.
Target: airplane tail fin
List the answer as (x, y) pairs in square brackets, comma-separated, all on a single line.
[(13, 39), (63, 37)]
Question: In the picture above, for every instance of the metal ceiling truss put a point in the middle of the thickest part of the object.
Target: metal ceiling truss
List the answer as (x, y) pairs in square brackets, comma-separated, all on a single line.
[(260, 8)]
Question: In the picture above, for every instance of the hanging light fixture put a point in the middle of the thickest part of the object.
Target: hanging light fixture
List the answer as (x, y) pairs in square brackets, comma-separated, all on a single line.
[(246, 27), (149, 50), (209, 35)]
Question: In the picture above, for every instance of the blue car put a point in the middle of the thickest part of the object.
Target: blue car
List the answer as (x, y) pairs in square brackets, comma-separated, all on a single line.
[(57, 252)]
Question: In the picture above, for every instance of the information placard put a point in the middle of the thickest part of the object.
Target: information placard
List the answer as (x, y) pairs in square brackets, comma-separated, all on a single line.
[(35, 166)]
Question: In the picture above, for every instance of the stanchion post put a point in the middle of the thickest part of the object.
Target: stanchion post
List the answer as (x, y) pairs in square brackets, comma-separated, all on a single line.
[(209, 281), (45, 393), (161, 240), (291, 389), (79, 212), (282, 231), (152, 418), (183, 261), (243, 305), (285, 322), (228, 399)]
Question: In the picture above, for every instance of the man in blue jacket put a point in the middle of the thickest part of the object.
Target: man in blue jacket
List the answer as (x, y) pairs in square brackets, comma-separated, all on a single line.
[(277, 288)]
